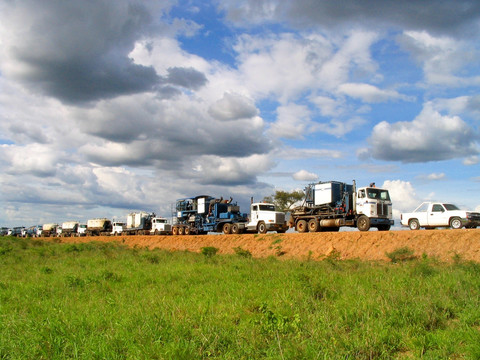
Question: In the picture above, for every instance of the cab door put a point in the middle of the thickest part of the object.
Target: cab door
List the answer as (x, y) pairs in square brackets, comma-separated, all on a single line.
[(437, 216)]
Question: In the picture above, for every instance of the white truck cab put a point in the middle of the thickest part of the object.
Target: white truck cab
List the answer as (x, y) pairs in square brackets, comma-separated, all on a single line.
[(118, 227), (82, 230), (374, 203), (160, 226), (264, 217)]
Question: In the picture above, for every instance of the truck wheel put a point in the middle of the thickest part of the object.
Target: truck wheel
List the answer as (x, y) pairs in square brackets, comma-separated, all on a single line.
[(313, 225), (456, 223), (262, 228), (175, 230), (383, 227), (414, 224), (227, 228), (186, 231), (363, 223), (301, 226), (181, 230), (235, 229)]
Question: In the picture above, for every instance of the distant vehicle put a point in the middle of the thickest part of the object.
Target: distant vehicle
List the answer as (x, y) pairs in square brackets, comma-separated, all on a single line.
[(139, 223), (17, 231), (3, 231), (160, 226), (430, 215), (82, 230), (117, 228), (39, 231), (31, 231), (49, 230), (99, 227), (69, 228)]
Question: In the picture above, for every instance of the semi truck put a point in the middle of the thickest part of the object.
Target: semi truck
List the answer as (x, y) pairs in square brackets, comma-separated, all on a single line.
[(69, 228), (204, 213), (49, 230), (327, 206), (160, 226), (139, 223), (99, 227)]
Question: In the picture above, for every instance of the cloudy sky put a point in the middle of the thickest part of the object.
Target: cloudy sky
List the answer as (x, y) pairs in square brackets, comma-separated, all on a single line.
[(112, 106)]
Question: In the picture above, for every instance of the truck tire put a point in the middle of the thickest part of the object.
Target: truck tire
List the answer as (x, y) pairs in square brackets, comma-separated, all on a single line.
[(235, 229), (186, 231), (175, 230), (301, 226), (313, 225), (363, 223), (261, 228), (227, 228), (383, 227), (414, 224), (181, 230), (456, 223)]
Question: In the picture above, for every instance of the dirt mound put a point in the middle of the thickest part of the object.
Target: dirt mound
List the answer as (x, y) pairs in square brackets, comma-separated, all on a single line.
[(372, 245)]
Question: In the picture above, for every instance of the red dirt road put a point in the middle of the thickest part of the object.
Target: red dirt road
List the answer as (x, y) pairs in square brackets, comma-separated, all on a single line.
[(371, 245)]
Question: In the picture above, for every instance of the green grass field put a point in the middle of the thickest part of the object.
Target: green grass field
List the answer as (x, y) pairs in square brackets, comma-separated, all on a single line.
[(105, 301)]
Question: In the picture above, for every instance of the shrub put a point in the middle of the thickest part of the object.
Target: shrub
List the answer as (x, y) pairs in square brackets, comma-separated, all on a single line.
[(242, 252), (209, 251), (401, 254)]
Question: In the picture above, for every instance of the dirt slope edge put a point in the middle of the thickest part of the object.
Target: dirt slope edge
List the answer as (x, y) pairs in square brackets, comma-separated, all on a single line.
[(372, 245)]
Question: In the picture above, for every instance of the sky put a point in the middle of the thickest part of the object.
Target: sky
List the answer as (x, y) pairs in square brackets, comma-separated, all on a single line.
[(108, 107)]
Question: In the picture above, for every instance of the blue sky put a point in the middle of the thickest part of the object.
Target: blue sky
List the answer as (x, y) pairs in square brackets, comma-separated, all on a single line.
[(112, 106)]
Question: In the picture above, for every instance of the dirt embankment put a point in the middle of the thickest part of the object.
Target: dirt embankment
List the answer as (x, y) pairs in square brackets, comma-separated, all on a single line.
[(372, 245)]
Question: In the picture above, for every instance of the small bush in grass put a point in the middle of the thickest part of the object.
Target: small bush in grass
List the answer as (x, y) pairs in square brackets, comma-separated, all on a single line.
[(401, 254), (242, 252), (209, 251)]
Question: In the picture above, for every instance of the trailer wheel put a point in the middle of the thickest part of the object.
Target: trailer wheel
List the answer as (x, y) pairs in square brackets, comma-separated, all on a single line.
[(235, 229), (414, 224), (262, 228), (363, 223), (301, 226), (456, 223), (181, 230), (313, 225), (175, 230), (186, 231)]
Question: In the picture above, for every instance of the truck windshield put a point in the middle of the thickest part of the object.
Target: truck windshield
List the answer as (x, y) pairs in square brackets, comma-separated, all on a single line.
[(450, 207), (264, 207), (374, 193)]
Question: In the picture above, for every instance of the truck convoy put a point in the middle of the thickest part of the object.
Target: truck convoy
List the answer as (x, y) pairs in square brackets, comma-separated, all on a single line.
[(204, 213), (327, 206), (430, 215)]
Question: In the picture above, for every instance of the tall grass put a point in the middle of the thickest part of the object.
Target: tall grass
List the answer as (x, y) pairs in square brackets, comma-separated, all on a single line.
[(105, 301)]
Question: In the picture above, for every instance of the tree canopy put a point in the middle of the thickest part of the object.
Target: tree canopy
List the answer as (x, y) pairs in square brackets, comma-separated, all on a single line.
[(283, 200)]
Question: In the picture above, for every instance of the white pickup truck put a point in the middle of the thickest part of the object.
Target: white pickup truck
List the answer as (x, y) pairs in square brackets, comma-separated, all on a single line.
[(430, 215)]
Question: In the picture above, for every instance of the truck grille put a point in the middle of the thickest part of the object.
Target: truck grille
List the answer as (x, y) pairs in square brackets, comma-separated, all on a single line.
[(279, 218), (382, 209)]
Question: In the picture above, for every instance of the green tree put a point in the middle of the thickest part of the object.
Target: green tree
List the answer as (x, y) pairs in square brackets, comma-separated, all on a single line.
[(283, 200)]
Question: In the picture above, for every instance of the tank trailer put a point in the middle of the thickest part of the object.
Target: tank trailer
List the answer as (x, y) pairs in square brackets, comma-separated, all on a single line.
[(327, 206), (99, 227)]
